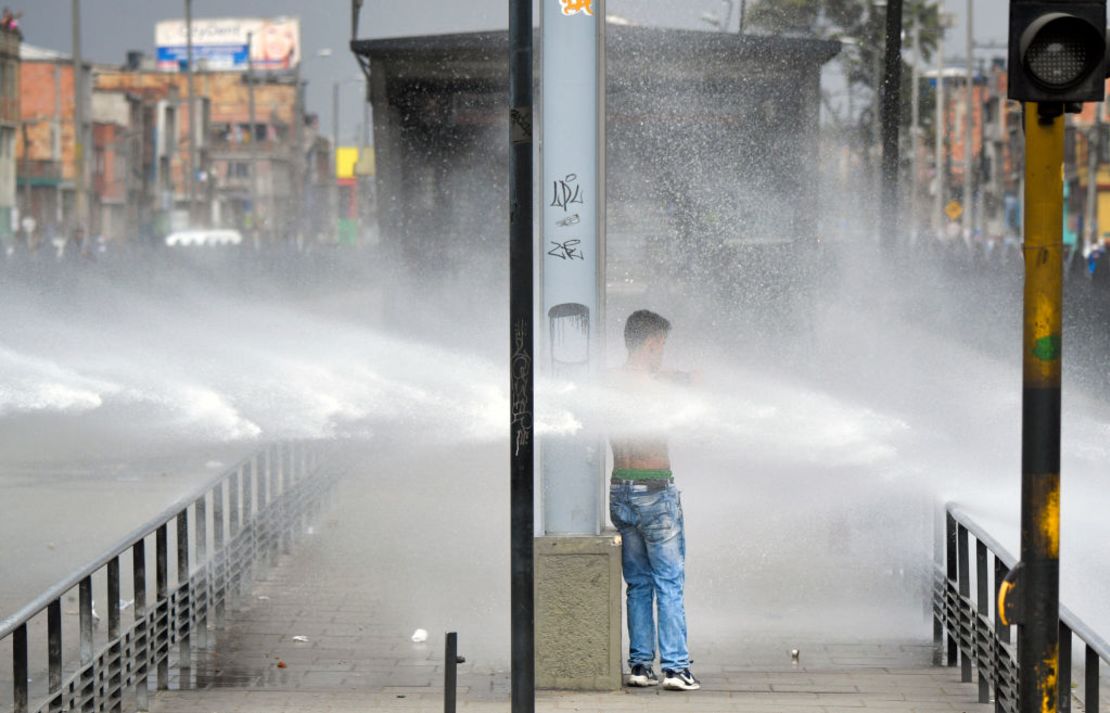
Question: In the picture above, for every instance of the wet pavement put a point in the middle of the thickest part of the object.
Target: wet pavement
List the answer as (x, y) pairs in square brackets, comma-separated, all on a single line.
[(355, 600)]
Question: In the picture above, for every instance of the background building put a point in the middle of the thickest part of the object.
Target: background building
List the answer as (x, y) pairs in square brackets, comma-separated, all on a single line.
[(46, 150), (259, 163)]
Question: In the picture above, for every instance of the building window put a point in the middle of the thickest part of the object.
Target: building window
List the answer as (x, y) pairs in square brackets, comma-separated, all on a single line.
[(238, 169)]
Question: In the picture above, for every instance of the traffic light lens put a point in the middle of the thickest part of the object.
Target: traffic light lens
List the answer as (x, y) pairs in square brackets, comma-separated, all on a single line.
[(1062, 50), (1058, 61)]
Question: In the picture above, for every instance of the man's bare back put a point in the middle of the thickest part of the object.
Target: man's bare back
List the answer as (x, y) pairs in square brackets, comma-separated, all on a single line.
[(641, 448)]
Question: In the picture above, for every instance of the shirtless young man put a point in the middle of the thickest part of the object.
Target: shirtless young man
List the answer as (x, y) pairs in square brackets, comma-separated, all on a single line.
[(645, 507)]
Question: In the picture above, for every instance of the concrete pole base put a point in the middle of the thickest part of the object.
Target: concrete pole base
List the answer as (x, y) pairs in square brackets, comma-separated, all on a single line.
[(578, 612)]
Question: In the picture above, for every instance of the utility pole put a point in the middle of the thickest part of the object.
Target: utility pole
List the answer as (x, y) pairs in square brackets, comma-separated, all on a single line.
[(366, 117), (939, 129), (253, 143), (28, 200), (876, 89), (891, 121), (979, 220), (298, 157), (334, 123), (1094, 148), (521, 363), (334, 163), (191, 183), (873, 152), (81, 202), (969, 141), (915, 127)]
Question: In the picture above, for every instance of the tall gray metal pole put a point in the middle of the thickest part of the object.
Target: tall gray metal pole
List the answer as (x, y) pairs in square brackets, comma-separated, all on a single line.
[(253, 143), (191, 182), (81, 199), (939, 129), (969, 120), (571, 176)]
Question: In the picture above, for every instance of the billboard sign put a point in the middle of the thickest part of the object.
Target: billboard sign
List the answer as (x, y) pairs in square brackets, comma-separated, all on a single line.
[(221, 44)]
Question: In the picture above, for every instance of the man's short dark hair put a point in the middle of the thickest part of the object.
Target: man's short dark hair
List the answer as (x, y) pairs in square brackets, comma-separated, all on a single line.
[(643, 324)]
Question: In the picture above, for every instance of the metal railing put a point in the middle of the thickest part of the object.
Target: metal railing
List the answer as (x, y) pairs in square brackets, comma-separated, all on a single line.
[(253, 512), (975, 633)]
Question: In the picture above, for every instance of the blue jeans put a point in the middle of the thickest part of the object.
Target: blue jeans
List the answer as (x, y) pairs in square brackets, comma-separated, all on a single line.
[(653, 555)]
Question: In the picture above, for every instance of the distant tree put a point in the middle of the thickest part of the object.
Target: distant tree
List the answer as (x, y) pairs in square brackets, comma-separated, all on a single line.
[(860, 24)]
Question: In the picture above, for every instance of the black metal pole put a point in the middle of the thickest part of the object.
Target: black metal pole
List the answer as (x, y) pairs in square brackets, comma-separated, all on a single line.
[(450, 670), (890, 124), (523, 667)]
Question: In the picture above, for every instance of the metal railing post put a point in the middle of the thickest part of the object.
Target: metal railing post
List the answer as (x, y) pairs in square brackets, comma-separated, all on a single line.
[(86, 687), (219, 572), (19, 669), (981, 597), (251, 542), (54, 654), (262, 523), (162, 607), (1090, 676), (951, 565), (938, 606), (1063, 682), (1002, 636), (142, 635), (183, 622), (965, 613), (115, 650), (201, 593), (234, 553)]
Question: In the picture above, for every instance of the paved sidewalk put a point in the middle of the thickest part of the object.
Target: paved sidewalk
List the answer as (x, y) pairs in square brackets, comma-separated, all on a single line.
[(357, 597)]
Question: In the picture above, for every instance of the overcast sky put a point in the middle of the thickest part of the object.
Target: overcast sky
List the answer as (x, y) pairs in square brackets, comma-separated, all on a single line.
[(111, 27)]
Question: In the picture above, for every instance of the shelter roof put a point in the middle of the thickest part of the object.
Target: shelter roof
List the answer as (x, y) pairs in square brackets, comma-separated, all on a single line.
[(657, 39)]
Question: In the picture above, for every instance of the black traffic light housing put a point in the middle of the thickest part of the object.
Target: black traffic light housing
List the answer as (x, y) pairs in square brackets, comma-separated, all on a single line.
[(1057, 50)]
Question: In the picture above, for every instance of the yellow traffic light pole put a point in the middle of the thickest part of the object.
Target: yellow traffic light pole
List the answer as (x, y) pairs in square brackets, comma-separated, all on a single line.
[(1031, 595)]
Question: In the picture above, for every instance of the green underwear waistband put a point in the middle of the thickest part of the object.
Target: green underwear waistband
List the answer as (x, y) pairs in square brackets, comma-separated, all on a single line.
[(641, 474)]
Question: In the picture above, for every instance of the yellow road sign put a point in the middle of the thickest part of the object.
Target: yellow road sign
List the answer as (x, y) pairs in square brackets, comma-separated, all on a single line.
[(953, 210)]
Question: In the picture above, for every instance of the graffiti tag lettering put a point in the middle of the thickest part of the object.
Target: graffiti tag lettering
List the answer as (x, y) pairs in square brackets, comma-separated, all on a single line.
[(566, 192), (521, 397), (567, 250), (568, 221)]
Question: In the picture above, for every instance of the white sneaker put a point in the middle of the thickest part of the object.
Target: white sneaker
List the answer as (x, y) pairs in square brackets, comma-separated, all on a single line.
[(680, 680), (643, 676)]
